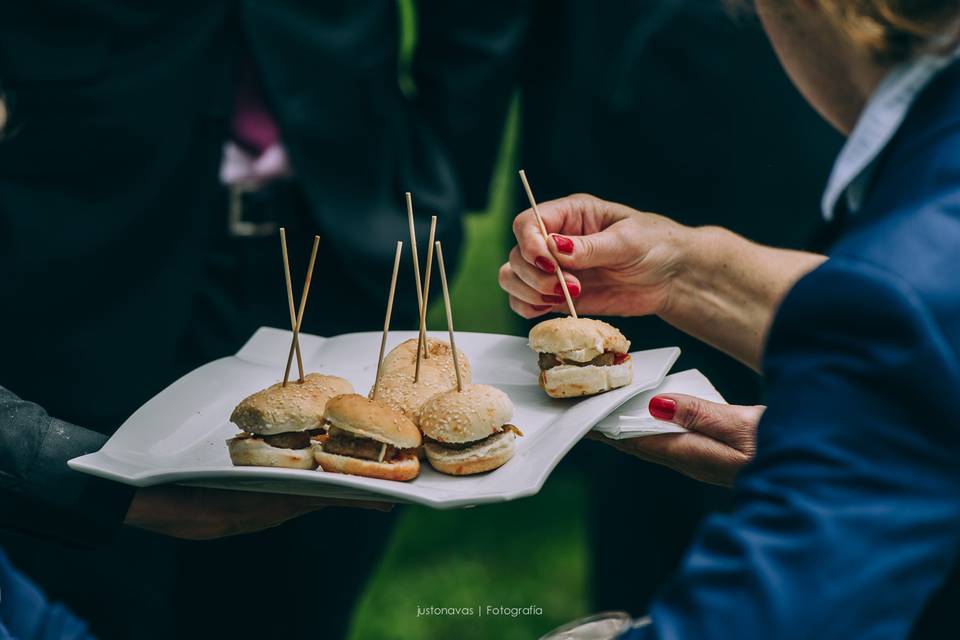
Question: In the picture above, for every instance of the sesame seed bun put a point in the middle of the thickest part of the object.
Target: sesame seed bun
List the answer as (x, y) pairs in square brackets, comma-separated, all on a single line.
[(295, 407), (372, 419), (571, 381), (405, 467), (254, 452), (483, 456), (403, 358), (567, 334), (398, 390), (465, 416)]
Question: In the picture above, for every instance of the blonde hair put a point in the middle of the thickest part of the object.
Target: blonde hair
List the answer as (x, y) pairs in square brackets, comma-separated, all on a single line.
[(895, 30), (892, 30)]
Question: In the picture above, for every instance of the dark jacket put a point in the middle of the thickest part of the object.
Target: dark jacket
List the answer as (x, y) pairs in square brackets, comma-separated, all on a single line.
[(847, 524)]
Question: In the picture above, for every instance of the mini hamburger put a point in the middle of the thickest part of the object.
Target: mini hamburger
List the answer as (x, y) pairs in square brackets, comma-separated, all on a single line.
[(279, 421), (403, 359), (580, 357), (469, 431), (368, 438), (398, 390)]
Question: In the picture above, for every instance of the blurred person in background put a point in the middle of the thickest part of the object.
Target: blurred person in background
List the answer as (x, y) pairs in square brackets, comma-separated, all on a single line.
[(151, 155), (846, 522)]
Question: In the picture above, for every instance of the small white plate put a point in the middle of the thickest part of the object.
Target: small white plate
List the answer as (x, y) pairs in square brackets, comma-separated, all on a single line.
[(179, 435)]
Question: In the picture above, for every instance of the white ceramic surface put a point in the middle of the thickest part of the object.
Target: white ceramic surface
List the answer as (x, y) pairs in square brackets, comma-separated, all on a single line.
[(179, 435)]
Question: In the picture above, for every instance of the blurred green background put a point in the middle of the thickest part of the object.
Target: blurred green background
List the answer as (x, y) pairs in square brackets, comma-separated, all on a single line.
[(520, 554)]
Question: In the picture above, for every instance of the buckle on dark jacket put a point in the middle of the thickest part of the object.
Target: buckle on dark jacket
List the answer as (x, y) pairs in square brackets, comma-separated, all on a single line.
[(252, 210)]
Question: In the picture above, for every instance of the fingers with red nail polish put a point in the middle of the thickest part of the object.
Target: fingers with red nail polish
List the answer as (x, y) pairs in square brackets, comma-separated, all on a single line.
[(564, 244), (663, 408), (545, 265), (572, 287)]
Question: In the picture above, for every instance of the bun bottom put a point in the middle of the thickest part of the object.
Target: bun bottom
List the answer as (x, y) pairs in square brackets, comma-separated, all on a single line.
[(487, 455), (254, 452), (569, 381), (406, 467)]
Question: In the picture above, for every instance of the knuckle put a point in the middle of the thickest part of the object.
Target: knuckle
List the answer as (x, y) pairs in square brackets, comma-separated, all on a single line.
[(694, 413), (520, 221), (503, 275)]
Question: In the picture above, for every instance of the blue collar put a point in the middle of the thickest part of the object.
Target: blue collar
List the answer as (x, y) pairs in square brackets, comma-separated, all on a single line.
[(881, 118)]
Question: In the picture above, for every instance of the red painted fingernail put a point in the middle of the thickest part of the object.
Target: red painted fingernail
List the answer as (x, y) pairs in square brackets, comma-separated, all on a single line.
[(554, 299), (564, 244), (663, 408), (572, 287), (544, 264), (541, 307)]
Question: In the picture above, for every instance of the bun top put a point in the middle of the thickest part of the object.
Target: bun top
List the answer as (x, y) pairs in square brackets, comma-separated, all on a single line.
[(398, 389), (465, 416), (559, 335), (295, 407), (371, 419), (403, 358)]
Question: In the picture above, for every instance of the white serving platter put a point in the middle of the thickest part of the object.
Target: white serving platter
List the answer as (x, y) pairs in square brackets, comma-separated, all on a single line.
[(179, 435)]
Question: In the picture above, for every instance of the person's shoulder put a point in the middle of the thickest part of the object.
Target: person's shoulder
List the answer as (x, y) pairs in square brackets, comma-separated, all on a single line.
[(914, 251), (875, 307)]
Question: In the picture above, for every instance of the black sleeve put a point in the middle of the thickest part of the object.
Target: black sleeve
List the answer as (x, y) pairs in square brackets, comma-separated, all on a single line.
[(40, 494), (466, 72)]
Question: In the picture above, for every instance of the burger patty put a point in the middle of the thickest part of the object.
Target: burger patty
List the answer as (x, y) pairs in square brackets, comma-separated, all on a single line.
[(290, 440), (458, 446), (550, 360), (295, 440), (346, 444)]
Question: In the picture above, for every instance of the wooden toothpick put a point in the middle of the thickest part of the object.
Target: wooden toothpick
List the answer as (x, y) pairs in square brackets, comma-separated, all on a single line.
[(422, 338), (416, 258), (446, 302), (293, 312), (386, 320), (303, 306), (546, 239)]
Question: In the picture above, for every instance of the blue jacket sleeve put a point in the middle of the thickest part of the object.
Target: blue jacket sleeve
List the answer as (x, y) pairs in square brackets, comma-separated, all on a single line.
[(848, 519), (26, 614)]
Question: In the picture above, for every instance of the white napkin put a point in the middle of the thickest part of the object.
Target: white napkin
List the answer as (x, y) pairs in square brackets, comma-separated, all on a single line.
[(633, 420)]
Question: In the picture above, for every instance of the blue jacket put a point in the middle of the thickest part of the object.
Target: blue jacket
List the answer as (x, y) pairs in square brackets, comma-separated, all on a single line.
[(848, 520), (25, 613)]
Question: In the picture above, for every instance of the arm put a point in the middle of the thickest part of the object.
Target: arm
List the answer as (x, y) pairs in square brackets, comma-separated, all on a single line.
[(706, 281), (729, 288), (847, 521), (26, 612), (45, 497), (466, 68), (42, 496)]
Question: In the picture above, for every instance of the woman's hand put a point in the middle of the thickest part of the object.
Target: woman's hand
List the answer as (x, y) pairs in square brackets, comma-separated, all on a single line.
[(195, 513), (721, 438), (616, 261), (705, 281)]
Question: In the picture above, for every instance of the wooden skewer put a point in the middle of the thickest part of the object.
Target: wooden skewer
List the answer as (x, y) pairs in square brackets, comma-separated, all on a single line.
[(546, 239), (446, 302), (416, 258), (422, 338), (293, 312), (303, 306), (386, 320)]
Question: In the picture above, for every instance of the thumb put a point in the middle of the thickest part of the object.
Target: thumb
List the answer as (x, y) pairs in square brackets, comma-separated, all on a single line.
[(728, 423), (601, 249)]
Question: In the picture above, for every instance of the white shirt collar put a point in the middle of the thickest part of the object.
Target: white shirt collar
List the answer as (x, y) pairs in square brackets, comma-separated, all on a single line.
[(881, 118)]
